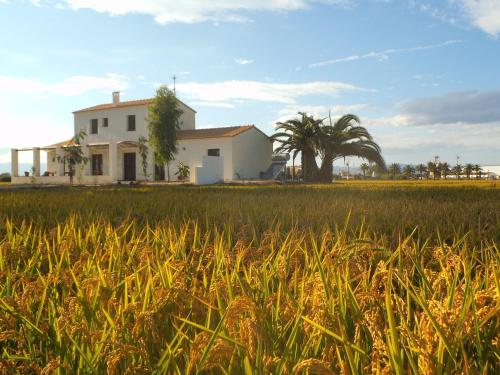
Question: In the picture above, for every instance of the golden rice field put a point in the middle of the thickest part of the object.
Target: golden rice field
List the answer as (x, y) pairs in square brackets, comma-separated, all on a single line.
[(352, 278)]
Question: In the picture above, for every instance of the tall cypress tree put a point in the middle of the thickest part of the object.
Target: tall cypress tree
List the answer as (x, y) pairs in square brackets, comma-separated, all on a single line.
[(163, 119)]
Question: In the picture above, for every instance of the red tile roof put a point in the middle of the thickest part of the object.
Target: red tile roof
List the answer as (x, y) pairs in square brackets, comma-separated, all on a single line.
[(130, 103), (226, 132), (230, 131)]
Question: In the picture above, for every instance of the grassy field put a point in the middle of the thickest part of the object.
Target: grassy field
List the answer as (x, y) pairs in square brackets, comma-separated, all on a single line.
[(352, 278)]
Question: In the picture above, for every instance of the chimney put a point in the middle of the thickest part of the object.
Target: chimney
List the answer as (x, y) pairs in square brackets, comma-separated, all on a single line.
[(116, 98)]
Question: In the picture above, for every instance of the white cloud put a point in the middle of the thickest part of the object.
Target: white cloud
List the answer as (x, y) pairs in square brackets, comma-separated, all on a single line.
[(72, 86), (191, 11), (484, 14), (237, 91), (242, 61), (28, 130), (383, 55), (212, 104), (291, 111), (436, 139)]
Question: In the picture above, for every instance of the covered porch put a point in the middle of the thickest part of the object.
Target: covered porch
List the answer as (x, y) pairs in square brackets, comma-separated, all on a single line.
[(108, 162)]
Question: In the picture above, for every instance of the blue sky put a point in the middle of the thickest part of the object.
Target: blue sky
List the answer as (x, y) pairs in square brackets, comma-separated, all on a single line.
[(423, 76)]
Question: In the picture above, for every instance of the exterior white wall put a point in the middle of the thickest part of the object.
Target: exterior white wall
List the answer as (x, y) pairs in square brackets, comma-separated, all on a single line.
[(62, 180), (117, 123), (252, 154), (58, 180), (192, 151), (52, 163), (211, 172)]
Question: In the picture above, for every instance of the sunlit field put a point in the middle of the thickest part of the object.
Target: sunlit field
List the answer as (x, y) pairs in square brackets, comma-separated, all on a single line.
[(350, 278)]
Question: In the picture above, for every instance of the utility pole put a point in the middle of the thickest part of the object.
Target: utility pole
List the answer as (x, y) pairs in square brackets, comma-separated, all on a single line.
[(174, 83)]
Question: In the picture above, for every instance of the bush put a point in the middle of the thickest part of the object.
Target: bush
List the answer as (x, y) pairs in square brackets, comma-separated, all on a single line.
[(5, 177)]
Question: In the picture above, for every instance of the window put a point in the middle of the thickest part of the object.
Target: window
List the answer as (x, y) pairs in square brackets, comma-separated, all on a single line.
[(131, 123), (105, 122), (93, 126), (97, 165), (214, 152)]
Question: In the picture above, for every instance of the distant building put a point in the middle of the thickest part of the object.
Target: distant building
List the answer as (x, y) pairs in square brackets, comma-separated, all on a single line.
[(491, 171)]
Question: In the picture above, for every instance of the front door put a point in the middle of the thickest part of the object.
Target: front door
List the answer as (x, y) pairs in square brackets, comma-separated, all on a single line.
[(129, 166), (159, 173)]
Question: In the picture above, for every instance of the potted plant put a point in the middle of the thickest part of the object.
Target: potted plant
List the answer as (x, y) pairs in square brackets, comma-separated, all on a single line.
[(182, 172)]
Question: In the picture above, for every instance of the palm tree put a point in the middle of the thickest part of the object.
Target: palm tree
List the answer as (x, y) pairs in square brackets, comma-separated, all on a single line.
[(311, 138), (421, 169), (457, 171), (364, 168), (431, 168), (445, 169), (300, 136), (346, 138), (409, 171), (478, 170), (468, 170), (394, 169)]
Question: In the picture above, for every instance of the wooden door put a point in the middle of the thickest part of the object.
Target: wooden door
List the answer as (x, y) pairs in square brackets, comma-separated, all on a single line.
[(129, 166)]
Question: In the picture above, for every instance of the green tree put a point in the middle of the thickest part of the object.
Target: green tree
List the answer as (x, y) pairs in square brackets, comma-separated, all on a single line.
[(163, 119), (312, 138), (144, 152), (444, 169), (364, 169), (300, 136), (421, 170), (74, 155), (409, 171), (457, 171), (468, 169), (182, 171), (478, 171), (345, 138), (394, 170), (431, 169)]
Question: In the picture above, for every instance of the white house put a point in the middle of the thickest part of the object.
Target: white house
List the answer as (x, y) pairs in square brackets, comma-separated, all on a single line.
[(112, 147)]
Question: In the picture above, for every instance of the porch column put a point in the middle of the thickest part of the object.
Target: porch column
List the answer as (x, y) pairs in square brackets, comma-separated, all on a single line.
[(113, 161), (59, 160), (14, 162), (36, 161)]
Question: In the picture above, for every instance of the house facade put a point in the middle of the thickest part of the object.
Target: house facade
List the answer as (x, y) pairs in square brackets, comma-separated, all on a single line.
[(112, 148)]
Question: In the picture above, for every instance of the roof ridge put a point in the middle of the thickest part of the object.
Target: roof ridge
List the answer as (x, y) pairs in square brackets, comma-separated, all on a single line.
[(104, 106)]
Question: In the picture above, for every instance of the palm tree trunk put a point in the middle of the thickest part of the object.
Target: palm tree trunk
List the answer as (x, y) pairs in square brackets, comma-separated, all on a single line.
[(309, 166), (326, 170)]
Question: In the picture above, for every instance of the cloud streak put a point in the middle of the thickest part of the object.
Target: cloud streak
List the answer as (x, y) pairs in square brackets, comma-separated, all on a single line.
[(242, 61), (72, 86), (234, 92), (383, 55)]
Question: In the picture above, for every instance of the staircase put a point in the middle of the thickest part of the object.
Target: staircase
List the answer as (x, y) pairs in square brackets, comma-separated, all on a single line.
[(278, 165)]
